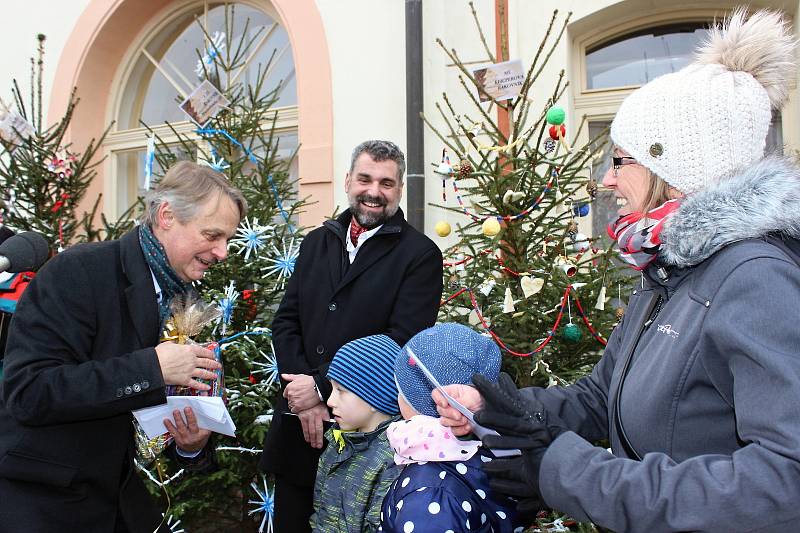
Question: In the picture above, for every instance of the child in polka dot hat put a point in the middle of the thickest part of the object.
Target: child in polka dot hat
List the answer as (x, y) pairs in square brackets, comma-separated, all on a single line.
[(442, 486)]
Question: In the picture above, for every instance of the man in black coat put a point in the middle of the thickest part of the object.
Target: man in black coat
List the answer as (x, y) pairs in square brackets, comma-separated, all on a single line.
[(364, 273), (83, 352)]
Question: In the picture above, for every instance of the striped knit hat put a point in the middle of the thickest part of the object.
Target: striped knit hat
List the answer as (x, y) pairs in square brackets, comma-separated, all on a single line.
[(364, 367), (452, 353)]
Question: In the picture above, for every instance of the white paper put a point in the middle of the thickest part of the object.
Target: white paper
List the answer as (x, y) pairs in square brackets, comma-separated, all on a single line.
[(210, 412)]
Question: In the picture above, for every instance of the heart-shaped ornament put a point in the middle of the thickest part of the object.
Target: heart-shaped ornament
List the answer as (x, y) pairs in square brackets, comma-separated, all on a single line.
[(530, 286)]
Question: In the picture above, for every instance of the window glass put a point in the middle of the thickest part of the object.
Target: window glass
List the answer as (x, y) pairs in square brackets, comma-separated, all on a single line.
[(130, 174), (643, 56), (151, 97)]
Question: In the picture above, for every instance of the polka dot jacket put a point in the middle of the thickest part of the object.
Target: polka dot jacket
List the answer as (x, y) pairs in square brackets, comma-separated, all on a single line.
[(448, 496)]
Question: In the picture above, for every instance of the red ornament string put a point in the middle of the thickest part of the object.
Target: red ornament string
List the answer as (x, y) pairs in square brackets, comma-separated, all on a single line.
[(550, 333), (525, 212), (469, 258), (55, 209)]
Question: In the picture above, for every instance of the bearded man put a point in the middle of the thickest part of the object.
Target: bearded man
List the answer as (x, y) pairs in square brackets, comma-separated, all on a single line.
[(364, 273)]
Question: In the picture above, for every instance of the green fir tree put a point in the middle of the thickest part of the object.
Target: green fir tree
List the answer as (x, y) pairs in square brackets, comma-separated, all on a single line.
[(521, 266), (241, 142), (43, 178)]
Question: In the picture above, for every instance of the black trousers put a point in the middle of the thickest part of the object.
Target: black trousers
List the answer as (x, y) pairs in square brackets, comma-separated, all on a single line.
[(294, 505)]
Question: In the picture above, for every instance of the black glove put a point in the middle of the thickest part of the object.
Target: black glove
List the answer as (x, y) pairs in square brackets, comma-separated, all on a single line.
[(523, 424)]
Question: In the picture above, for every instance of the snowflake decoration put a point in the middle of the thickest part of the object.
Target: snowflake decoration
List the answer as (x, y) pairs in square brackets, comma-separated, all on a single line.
[(219, 164), (250, 237), (216, 46), (226, 305), (269, 368), (174, 524), (265, 504), (283, 262)]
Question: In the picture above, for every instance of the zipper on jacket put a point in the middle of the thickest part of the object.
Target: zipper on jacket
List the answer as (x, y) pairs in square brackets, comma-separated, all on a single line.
[(651, 314)]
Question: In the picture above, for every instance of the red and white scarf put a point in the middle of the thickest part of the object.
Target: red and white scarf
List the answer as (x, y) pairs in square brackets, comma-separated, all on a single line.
[(638, 235)]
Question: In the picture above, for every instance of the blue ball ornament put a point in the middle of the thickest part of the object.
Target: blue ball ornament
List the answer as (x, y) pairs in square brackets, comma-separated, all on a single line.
[(581, 209)]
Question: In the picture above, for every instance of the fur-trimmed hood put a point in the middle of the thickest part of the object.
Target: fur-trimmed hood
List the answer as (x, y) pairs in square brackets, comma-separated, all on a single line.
[(760, 199)]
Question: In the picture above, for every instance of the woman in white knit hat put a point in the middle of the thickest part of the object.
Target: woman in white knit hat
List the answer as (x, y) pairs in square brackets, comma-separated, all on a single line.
[(698, 391)]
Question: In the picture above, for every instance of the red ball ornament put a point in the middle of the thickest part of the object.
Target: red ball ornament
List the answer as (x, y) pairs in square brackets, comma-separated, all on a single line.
[(250, 302), (553, 131), (252, 379)]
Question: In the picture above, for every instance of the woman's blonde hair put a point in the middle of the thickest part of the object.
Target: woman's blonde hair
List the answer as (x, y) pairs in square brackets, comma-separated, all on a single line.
[(658, 193)]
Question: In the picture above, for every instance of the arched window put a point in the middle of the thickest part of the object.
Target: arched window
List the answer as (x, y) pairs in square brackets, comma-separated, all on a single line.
[(166, 65), (638, 57)]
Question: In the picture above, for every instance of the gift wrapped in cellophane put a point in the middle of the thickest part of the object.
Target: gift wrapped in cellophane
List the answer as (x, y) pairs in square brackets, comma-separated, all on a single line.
[(190, 315)]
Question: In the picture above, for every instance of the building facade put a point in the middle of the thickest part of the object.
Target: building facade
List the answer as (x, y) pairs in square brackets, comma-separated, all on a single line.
[(343, 63)]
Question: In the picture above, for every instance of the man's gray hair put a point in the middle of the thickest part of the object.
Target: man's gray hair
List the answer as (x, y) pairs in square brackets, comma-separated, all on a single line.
[(185, 187), (381, 151)]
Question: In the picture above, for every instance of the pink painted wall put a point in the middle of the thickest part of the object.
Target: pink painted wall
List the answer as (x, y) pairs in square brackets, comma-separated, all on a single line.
[(106, 29)]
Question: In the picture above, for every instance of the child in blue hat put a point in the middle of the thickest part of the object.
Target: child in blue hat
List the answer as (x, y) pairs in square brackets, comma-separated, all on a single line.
[(442, 486), (357, 467)]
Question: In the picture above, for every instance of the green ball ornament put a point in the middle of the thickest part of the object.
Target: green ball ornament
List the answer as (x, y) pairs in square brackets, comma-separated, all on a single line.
[(556, 115), (571, 333)]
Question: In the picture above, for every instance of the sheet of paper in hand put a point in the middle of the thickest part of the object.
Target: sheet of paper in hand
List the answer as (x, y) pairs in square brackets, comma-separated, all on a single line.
[(210, 412), (204, 103), (479, 430)]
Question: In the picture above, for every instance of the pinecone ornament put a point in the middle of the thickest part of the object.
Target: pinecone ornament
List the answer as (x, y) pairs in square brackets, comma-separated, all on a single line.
[(465, 168), (572, 229), (591, 188)]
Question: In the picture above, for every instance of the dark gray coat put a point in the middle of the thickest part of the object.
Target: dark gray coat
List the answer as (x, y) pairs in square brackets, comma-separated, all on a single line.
[(711, 400)]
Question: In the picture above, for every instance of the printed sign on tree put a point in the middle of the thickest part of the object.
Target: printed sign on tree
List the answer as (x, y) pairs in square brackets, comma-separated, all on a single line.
[(204, 103), (501, 81)]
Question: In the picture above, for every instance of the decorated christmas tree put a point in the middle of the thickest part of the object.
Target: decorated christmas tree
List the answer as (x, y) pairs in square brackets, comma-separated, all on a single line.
[(239, 140), (43, 178), (523, 270)]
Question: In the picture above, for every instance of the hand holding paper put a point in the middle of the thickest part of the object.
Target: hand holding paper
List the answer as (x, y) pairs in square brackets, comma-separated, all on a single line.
[(210, 412), (477, 429)]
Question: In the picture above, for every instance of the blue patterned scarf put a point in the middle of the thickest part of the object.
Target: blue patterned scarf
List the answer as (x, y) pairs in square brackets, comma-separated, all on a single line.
[(166, 277)]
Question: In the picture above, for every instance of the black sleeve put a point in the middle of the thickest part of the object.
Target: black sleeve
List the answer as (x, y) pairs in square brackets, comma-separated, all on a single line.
[(50, 375)]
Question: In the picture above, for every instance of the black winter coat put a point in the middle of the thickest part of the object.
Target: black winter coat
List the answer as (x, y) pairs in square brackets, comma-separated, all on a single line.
[(393, 286), (80, 358)]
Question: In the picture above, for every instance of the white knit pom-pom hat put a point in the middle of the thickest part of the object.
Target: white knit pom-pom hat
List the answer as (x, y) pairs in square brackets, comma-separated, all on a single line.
[(696, 126)]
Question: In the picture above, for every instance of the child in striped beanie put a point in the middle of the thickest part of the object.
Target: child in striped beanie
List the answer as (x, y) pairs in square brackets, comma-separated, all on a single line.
[(357, 467)]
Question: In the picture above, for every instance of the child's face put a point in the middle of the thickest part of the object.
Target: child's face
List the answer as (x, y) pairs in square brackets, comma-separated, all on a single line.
[(351, 412)]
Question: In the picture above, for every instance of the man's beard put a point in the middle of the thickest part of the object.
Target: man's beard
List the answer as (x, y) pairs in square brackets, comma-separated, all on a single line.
[(370, 220)]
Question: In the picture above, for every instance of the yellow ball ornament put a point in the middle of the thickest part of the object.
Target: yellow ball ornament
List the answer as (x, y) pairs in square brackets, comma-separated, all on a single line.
[(443, 228), (491, 227)]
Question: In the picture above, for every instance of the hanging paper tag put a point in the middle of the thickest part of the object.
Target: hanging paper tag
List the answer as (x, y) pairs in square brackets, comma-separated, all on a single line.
[(501, 81), (204, 103), (14, 128)]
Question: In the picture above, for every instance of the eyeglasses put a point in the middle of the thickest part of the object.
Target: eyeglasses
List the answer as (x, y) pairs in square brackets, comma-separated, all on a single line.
[(617, 162)]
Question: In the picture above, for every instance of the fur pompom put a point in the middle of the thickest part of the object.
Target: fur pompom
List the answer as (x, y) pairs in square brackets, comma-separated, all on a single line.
[(761, 45)]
